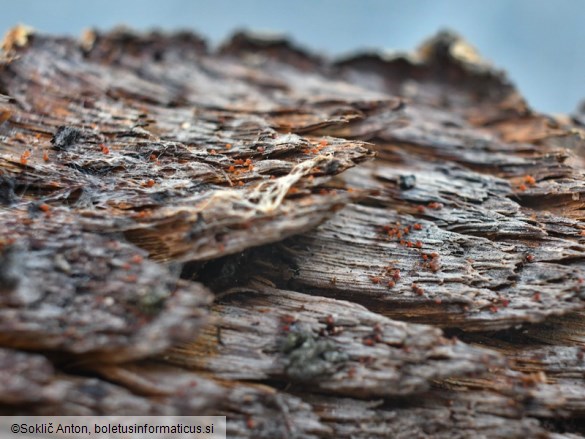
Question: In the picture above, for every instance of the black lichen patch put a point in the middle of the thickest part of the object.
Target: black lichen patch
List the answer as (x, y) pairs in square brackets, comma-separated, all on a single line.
[(65, 137), (309, 357), (407, 181), (7, 194)]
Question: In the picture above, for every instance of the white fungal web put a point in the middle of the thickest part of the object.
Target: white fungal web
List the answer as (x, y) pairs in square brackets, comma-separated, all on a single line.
[(268, 195)]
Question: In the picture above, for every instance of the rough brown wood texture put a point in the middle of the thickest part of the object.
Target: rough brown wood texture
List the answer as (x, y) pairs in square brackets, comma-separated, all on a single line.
[(376, 246)]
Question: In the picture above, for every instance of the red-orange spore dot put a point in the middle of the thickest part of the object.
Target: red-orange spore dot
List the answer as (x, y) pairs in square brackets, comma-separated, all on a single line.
[(149, 183), (375, 279), (368, 341), (46, 156), (537, 297), (104, 148), (153, 158), (228, 146), (323, 142), (391, 284), (529, 179), (435, 205), (417, 290), (136, 259), (529, 258), (418, 244), (420, 209), (396, 275), (522, 187), (45, 208), (24, 157), (417, 226)]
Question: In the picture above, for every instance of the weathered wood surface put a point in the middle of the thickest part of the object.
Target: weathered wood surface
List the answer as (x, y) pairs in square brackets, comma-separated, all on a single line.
[(335, 346), (140, 173)]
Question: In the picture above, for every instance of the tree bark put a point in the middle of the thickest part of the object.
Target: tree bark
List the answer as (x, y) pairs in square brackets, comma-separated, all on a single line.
[(367, 247)]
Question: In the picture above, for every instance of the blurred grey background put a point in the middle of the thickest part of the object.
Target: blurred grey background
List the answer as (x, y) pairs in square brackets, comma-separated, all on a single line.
[(539, 43)]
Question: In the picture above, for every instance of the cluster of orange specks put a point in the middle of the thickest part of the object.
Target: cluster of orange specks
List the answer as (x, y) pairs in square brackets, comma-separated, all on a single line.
[(287, 320), (419, 291), (24, 157), (315, 150), (104, 148), (148, 183), (374, 337), (248, 164), (399, 232), (431, 261), (389, 271), (435, 205), (527, 180), (396, 275), (330, 328)]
